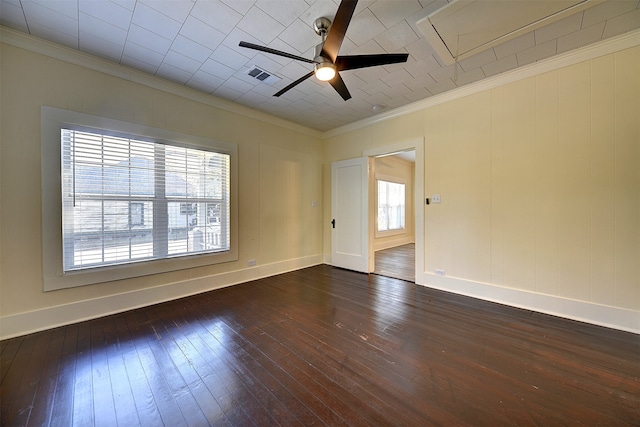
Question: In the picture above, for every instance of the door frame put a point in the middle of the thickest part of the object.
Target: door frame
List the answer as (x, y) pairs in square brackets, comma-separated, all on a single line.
[(416, 144)]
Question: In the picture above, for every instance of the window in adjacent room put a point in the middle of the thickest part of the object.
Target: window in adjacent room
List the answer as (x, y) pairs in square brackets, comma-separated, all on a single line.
[(391, 205)]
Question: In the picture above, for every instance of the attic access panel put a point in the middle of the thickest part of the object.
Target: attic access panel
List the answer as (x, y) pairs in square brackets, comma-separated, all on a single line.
[(466, 27)]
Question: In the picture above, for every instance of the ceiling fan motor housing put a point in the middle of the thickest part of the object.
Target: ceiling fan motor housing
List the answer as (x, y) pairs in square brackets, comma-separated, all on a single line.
[(321, 26)]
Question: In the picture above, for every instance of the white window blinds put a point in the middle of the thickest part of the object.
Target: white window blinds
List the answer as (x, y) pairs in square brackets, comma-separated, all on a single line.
[(126, 200)]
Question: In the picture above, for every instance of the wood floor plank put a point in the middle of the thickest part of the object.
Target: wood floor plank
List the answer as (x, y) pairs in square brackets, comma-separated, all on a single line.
[(323, 346)]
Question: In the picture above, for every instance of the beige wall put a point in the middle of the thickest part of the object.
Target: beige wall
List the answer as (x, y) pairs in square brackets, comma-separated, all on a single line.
[(279, 178), (402, 170), (540, 183)]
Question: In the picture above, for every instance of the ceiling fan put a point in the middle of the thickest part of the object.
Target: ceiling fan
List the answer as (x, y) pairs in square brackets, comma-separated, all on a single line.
[(327, 62)]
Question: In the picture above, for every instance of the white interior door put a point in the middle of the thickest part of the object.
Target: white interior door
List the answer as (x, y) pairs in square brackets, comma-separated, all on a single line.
[(349, 202)]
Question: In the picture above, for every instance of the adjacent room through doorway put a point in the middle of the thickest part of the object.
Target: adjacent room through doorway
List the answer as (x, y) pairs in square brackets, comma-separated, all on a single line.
[(391, 181)]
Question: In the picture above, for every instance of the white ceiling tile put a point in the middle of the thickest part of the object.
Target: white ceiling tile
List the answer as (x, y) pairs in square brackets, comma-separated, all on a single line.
[(252, 99), (396, 37), (497, 67), (478, 60), (443, 73), (229, 57), (217, 69), (143, 54), (398, 77), (522, 42), (417, 95), (240, 6), (370, 75), (60, 7), (441, 86), (52, 34), (559, 28), (183, 62), (300, 35), (101, 47), (227, 93), (138, 64), (260, 25), (396, 91), (375, 87), (127, 4), (320, 8), (278, 44), (233, 39), (204, 81), (536, 53), (154, 21), (150, 40), (621, 24), (38, 13), (107, 11), (172, 73), (191, 49), (294, 70), (178, 10), (201, 33), (364, 27), (392, 12), (420, 49), (102, 30), (476, 74), (368, 48), (12, 16), (580, 38), (285, 12), (607, 10), (238, 84), (420, 81), (216, 14)]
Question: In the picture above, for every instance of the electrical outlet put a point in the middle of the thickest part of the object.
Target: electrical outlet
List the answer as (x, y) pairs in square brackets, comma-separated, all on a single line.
[(435, 198), (439, 272), (251, 263)]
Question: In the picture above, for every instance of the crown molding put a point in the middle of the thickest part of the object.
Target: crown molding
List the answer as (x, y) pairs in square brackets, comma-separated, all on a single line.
[(53, 50), (604, 47)]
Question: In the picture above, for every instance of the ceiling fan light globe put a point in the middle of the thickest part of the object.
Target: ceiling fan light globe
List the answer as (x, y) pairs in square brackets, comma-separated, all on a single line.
[(325, 71)]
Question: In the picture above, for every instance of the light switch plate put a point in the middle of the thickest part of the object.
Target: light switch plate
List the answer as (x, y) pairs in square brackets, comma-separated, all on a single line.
[(435, 198)]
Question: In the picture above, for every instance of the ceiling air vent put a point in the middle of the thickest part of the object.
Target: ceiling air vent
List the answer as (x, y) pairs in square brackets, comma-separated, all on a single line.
[(262, 75)]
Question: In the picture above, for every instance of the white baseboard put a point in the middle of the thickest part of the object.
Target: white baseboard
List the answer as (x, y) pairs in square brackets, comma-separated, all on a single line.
[(597, 314), (52, 317)]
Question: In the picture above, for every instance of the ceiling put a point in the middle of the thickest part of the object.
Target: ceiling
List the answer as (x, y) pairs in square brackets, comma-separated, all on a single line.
[(195, 43)]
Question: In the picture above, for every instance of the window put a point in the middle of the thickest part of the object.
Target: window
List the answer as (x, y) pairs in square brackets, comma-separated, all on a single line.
[(125, 200), (109, 182), (390, 205)]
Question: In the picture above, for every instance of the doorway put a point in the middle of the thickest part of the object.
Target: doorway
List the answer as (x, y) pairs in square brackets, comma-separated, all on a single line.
[(392, 214), (398, 258)]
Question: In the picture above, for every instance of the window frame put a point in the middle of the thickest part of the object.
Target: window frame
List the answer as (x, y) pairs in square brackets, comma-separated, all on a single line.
[(394, 180), (52, 120)]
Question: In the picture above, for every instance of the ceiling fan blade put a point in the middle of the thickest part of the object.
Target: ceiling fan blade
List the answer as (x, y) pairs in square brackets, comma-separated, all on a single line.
[(340, 87), (297, 82), (351, 62), (338, 29), (275, 52)]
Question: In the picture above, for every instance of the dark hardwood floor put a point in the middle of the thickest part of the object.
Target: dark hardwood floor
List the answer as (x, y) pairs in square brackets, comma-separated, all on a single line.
[(322, 346), (398, 262)]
